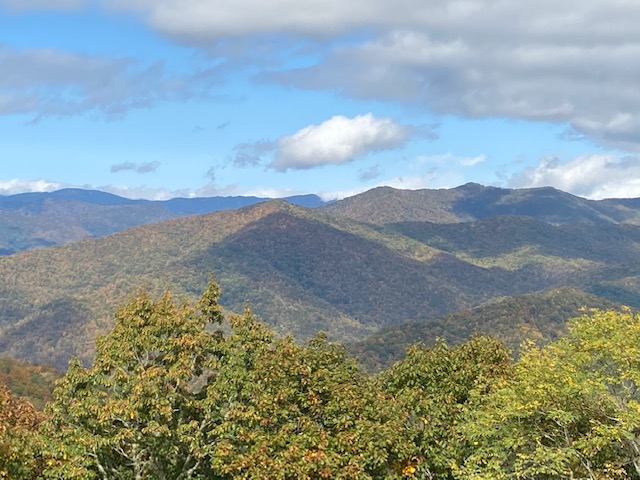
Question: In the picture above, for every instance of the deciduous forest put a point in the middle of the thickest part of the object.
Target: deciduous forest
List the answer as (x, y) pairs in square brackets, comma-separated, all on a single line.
[(179, 391)]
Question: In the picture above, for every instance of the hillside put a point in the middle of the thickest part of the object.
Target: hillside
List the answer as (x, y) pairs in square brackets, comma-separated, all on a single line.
[(303, 271), (37, 220), (34, 383), (300, 271), (540, 317), (473, 202)]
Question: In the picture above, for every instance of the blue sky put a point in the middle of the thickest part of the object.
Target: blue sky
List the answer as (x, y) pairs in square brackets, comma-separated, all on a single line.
[(164, 98)]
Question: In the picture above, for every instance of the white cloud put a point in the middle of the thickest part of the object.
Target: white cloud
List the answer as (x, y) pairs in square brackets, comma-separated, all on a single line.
[(595, 176), (340, 194), (148, 193), (273, 192), (15, 186), (212, 19), (572, 62), (210, 189), (337, 141), (471, 161)]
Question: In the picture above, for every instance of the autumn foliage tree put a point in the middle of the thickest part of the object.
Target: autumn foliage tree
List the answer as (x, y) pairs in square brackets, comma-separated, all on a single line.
[(299, 411), (166, 398), (176, 391), (138, 411), (19, 423)]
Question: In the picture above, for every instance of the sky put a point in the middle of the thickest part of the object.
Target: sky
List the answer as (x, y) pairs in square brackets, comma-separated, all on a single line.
[(181, 98)]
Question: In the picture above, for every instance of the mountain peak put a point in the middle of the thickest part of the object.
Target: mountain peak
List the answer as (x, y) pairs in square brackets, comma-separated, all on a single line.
[(473, 201), (472, 187)]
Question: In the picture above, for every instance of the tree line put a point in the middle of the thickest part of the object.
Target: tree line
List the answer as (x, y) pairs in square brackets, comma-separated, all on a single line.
[(177, 391)]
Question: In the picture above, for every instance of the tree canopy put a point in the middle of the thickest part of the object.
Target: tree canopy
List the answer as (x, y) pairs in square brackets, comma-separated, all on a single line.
[(570, 410), (178, 391)]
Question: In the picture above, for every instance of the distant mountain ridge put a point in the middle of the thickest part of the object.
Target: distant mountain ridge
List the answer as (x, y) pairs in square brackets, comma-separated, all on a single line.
[(179, 204), (37, 220), (472, 201), (96, 197)]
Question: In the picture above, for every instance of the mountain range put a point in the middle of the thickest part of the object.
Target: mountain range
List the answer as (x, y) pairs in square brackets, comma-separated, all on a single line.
[(37, 220), (381, 263), (473, 201)]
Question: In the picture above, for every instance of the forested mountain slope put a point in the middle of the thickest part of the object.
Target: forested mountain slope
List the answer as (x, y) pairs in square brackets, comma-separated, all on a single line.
[(540, 317), (473, 202), (302, 270)]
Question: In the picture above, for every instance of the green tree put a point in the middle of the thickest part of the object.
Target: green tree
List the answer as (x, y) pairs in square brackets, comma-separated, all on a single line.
[(571, 410), (287, 411), (137, 411), (167, 399), (19, 422), (435, 387)]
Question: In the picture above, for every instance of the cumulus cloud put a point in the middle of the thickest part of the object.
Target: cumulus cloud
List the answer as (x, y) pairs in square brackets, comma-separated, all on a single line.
[(338, 140), (595, 176), (135, 167), (590, 87), (572, 62)]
